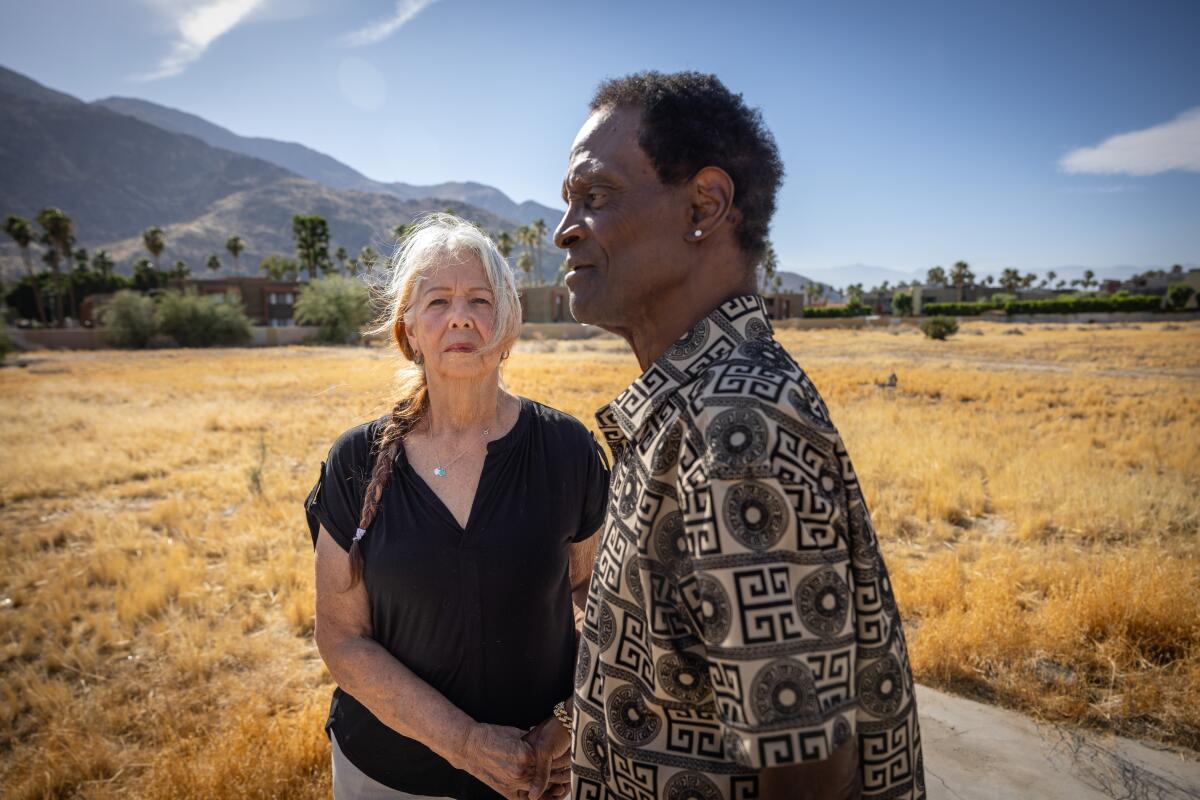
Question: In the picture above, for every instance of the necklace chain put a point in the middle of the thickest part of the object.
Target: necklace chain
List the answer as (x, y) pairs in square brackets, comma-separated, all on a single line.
[(441, 467)]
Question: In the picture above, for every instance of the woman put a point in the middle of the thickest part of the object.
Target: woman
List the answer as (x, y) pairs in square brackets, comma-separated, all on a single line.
[(452, 536)]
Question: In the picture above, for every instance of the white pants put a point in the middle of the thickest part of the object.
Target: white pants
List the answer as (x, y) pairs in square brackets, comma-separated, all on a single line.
[(351, 783)]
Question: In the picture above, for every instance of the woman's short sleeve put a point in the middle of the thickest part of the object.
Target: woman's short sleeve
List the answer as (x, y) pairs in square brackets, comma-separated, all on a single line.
[(595, 499), (335, 502)]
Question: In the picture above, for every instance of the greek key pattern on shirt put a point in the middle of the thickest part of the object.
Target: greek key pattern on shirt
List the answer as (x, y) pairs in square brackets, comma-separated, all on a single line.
[(739, 615)]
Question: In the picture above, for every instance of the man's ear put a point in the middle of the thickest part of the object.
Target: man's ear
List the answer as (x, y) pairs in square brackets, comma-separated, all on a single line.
[(711, 195)]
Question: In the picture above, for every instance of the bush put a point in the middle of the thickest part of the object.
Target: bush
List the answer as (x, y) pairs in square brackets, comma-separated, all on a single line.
[(339, 305), (195, 320), (939, 327), (851, 310), (902, 303), (128, 319), (1178, 295), (958, 309), (1076, 305)]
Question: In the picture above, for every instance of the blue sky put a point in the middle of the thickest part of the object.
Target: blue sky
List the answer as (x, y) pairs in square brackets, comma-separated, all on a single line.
[(914, 133)]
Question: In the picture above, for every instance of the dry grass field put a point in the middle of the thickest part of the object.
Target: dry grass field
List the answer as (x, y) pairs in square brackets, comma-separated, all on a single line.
[(1038, 497)]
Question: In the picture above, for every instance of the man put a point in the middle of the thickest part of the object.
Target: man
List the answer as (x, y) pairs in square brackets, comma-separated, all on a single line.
[(741, 638)]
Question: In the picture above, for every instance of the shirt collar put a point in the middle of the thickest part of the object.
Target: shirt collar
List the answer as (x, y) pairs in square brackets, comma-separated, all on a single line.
[(711, 339)]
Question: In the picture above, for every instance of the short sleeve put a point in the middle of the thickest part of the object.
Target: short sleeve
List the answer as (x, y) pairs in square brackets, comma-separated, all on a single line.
[(335, 501), (768, 593), (595, 499)]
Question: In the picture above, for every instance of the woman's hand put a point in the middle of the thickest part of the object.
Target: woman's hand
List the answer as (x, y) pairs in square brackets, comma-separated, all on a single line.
[(497, 755), (552, 757)]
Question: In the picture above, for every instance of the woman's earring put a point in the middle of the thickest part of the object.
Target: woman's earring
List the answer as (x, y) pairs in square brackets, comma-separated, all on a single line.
[(697, 233), (418, 359)]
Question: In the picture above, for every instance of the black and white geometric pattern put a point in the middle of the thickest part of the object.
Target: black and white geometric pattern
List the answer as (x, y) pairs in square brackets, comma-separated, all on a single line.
[(740, 615)]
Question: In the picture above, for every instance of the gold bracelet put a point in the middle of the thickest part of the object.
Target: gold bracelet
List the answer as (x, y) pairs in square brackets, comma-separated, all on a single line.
[(562, 715)]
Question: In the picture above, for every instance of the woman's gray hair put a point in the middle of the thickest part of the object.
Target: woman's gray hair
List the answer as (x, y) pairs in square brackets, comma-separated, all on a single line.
[(429, 242)]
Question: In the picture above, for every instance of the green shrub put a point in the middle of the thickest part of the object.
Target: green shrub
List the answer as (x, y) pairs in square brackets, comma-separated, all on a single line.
[(1076, 305), (854, 309), (128, 319), (958, 309), (939, 327), (1178, 295), (339, 305), (195, 320), (902, 303)]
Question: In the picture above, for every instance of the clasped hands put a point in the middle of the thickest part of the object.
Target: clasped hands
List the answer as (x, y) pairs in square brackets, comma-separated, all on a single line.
[(521, 765)]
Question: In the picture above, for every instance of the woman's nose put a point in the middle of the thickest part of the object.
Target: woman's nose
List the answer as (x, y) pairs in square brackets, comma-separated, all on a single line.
[(460, 313)]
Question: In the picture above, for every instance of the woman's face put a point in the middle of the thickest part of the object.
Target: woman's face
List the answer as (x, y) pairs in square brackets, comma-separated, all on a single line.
[(454, 313)]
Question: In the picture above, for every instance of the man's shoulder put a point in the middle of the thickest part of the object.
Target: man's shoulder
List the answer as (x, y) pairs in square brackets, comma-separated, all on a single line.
[(758, 375)]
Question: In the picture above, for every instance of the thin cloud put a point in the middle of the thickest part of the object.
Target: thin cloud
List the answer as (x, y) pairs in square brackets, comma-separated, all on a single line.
[(380, 30), (197, 25), (1161, 148)]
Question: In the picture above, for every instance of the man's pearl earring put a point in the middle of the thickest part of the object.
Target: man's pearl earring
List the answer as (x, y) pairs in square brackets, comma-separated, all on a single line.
[(697, 233)]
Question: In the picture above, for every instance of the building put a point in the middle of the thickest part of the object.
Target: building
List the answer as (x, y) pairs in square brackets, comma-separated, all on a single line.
[(784, 305), (545, 303), (266, 301)]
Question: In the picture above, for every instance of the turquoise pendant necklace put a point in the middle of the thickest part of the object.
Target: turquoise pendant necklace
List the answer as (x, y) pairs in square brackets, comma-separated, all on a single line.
[(440, 471)]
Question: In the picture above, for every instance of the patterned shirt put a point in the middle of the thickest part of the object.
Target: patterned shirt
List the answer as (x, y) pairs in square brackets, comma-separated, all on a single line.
[(739, 614)]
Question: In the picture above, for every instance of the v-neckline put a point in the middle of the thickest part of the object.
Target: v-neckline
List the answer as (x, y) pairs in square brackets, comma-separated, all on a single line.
[(493, 447)]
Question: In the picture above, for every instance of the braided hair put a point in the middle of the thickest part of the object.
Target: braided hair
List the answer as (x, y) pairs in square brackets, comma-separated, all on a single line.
[(427, 243)]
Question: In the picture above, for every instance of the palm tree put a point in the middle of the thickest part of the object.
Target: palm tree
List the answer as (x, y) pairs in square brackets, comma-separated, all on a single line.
[(1028, 280), (1010, 280), (155, 241), (504, 243), (537, 230), (525, 239), (935, 276), (59, 237), (234, 246), (341, 255), (767, 268), (213, 263), (22, 233), (525, 264), (102, 263), (961, 276), (312, 243), (367, 258), (1088, 278), (1050, 276), (181, 270)]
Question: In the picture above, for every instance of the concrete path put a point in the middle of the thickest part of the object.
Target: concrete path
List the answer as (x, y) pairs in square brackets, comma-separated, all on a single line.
[(977, 752)]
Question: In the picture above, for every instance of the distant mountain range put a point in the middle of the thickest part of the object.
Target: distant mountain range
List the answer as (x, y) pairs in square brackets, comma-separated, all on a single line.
[(309, 163), (119, 166)]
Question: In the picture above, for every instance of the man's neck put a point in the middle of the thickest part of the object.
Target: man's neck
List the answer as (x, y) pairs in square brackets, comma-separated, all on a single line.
[(671, 316)]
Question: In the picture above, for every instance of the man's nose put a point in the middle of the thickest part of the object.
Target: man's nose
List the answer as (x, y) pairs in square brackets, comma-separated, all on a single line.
[(570, 230)]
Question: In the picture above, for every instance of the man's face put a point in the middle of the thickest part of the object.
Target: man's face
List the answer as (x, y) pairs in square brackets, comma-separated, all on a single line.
[(623, 229)]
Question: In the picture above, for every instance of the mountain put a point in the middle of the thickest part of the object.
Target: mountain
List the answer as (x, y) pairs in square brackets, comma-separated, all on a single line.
[(15, 84), (117, 175), (113, 174), (794, 282), (309, 163)]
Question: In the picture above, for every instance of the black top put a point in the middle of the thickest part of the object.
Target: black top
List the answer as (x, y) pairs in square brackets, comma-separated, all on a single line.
[(483, 615)]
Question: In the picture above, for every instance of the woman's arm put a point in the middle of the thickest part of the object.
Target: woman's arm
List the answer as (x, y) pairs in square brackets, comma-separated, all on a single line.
[(398, 698)]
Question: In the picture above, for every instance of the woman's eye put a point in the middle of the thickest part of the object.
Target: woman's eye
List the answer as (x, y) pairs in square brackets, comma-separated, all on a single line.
[(482, 300), (437, 301)]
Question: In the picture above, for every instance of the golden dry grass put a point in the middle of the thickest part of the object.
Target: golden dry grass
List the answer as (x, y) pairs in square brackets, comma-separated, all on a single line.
[(1036, 496)]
